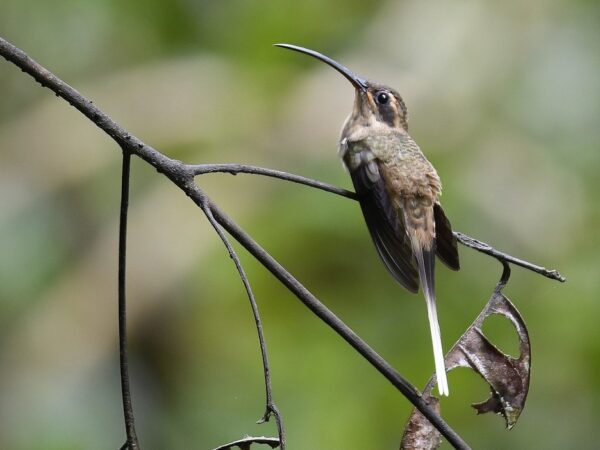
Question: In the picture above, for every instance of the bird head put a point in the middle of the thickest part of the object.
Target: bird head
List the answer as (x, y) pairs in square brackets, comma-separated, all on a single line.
[(374, 104)]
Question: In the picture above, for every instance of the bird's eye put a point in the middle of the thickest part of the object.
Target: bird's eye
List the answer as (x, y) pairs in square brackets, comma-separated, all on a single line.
[(383, 98)]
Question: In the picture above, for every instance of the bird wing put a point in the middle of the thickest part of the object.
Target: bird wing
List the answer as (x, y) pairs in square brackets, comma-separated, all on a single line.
[(446, 247), (385, 225)]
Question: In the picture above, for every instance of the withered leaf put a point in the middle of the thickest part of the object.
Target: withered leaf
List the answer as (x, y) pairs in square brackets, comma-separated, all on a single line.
[(246, 443), (419, 433), (507, 377)]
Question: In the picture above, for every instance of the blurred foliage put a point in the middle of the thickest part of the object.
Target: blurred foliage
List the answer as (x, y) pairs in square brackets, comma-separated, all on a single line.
[(504, 99)]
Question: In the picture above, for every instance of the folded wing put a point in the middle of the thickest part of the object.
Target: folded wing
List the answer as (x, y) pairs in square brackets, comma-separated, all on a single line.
[(385, 226), (446, 247)]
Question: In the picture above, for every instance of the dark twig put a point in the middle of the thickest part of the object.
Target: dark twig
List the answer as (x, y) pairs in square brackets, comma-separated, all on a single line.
[(234, 169), (270, 408), (501, 256), (246, 442), (132, 440)]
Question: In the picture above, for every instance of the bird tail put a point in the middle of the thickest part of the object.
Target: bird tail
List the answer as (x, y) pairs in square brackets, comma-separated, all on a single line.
[(425, 261)]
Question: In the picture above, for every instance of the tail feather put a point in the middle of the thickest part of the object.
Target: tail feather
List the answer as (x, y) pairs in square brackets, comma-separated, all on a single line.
[(425, 261)]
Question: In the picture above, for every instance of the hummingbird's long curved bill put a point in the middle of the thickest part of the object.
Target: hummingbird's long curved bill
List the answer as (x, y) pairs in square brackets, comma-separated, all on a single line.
[(357, 82)]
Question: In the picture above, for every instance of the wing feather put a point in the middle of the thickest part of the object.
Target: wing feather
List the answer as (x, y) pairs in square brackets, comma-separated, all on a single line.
[(446, 246), (385, 226)]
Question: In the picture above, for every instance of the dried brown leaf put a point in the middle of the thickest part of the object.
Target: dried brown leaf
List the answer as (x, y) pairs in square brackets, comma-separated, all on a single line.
[(246, 443), (419, 434), (507, 377)]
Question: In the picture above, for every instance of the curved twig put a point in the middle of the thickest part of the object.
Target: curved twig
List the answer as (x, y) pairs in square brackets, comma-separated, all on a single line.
[(504, 257), (132, 440), (270, 407), (504, 277), (234, 169), (246, 442)]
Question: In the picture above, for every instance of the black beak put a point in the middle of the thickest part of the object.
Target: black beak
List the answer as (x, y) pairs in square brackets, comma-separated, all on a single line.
[(356, 81)]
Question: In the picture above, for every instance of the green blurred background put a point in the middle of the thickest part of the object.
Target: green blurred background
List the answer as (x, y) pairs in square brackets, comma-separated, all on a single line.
[(504, 99)]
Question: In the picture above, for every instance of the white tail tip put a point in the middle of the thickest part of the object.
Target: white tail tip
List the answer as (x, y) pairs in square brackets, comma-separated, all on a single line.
[(440, 368), (438, 352), (442, 382)]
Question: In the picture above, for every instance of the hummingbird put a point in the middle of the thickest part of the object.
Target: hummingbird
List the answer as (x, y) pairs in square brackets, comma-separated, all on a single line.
[(398, 191)]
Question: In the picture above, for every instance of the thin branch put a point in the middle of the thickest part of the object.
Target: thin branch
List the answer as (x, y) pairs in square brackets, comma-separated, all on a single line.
[(132, 440), (246, 442), (462, 238), (234, 169), (489, 250), (270, 407)]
